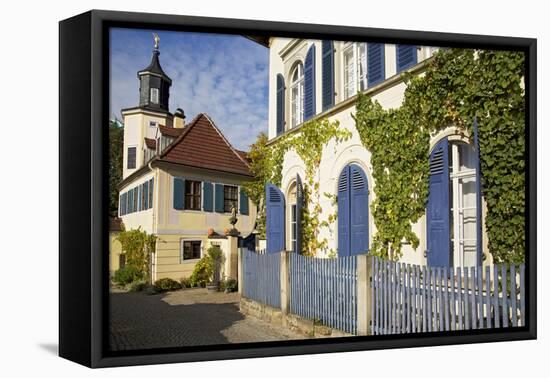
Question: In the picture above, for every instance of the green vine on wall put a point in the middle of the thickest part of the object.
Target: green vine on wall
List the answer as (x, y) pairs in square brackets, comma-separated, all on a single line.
[(137, 246), (457, 86), (267, 165), (399, 158)]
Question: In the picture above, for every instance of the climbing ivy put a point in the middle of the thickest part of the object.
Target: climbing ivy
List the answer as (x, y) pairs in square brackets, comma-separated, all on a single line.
[(457, 86), (308, 142), (399, 157)]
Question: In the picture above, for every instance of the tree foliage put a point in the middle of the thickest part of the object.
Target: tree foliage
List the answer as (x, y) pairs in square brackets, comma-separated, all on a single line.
[(116, 140)]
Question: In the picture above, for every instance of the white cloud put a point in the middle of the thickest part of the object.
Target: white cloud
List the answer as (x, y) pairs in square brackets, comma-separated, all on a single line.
[(224, 77)]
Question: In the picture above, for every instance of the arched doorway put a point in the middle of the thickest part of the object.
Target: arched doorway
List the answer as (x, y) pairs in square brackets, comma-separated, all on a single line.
[(353, 211)]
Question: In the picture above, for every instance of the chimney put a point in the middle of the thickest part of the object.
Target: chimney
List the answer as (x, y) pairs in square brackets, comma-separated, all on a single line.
[(179, 119)]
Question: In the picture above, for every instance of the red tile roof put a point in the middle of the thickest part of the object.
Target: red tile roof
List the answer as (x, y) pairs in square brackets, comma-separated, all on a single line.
[(171, 131), (202, 145), (151, 143), (243, 154)]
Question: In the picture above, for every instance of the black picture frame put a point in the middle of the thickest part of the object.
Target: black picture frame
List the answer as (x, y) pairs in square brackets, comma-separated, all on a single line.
[(83, 159)]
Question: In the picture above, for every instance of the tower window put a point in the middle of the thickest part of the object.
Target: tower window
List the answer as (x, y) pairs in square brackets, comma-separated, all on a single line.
[(131, 158), (154, 95)]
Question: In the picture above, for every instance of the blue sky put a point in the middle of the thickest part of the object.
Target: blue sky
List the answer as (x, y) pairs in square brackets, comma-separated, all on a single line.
[(224, 76)]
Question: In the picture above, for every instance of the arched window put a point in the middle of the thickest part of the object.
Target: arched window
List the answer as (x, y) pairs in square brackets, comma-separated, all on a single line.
[(297, 95), (355, 68)]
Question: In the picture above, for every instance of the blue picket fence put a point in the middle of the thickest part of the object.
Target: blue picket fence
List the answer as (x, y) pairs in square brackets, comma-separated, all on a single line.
[(411, 298), (262, 277), (325, 290)]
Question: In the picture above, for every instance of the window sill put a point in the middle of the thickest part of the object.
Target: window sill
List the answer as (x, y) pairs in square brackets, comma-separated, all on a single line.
[(189, 261)]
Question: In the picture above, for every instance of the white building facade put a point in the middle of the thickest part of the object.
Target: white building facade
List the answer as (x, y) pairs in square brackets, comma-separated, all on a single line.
[(311, 79)]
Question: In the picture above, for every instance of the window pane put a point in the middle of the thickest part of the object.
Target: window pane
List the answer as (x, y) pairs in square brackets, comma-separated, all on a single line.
[(349, 72), (154, 95), (230, 197), (362, 66), (192, 195)]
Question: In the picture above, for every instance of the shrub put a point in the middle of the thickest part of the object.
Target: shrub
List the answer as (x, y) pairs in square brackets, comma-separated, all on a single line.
[(202, 273), (127, 275), (186, 283), (229, 285), (207, 269), (166, 284), (138, 286)]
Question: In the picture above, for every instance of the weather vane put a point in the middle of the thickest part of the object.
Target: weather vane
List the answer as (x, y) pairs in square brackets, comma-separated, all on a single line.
[(157, 40)]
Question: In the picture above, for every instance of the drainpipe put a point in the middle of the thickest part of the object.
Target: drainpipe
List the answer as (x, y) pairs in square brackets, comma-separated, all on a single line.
[(154, 223)]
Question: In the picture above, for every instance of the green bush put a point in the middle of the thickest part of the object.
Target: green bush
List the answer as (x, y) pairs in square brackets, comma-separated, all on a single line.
[(138, 286), (186, 282), (127, 275), (207, 269), (229, 285), (166, 284), (202, 273)]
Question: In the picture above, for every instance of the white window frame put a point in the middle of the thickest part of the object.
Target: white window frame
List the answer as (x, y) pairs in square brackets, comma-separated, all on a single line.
[(153, 123), (297, 101), (458, 208), (182, 248), (356, 71), (154, 95), (289, 223)]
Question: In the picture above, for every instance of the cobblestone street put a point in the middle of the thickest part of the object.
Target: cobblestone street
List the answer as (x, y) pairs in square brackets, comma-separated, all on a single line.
[(184, 318)]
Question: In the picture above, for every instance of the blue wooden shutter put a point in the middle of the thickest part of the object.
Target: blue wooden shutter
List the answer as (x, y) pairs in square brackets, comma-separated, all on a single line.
[(375, 63), (138, 191), (219, 198), (438, 211), (179, 188), (275, 219), (130, 201), (127, 203), (146, 195), (359, 211), (151, 185), (207, 197), (327, 75), (309, 84), (479, 194), (280, 104), (299, 205), (406, 56), (243, 202), (123, 204), (343, 213)]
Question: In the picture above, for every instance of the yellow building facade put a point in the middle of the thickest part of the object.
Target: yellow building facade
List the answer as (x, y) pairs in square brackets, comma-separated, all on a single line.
[(181, 181)]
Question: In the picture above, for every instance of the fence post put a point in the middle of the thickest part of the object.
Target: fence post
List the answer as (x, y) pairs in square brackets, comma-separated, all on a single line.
[(364, 294), (285, 283), (240, 272)]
